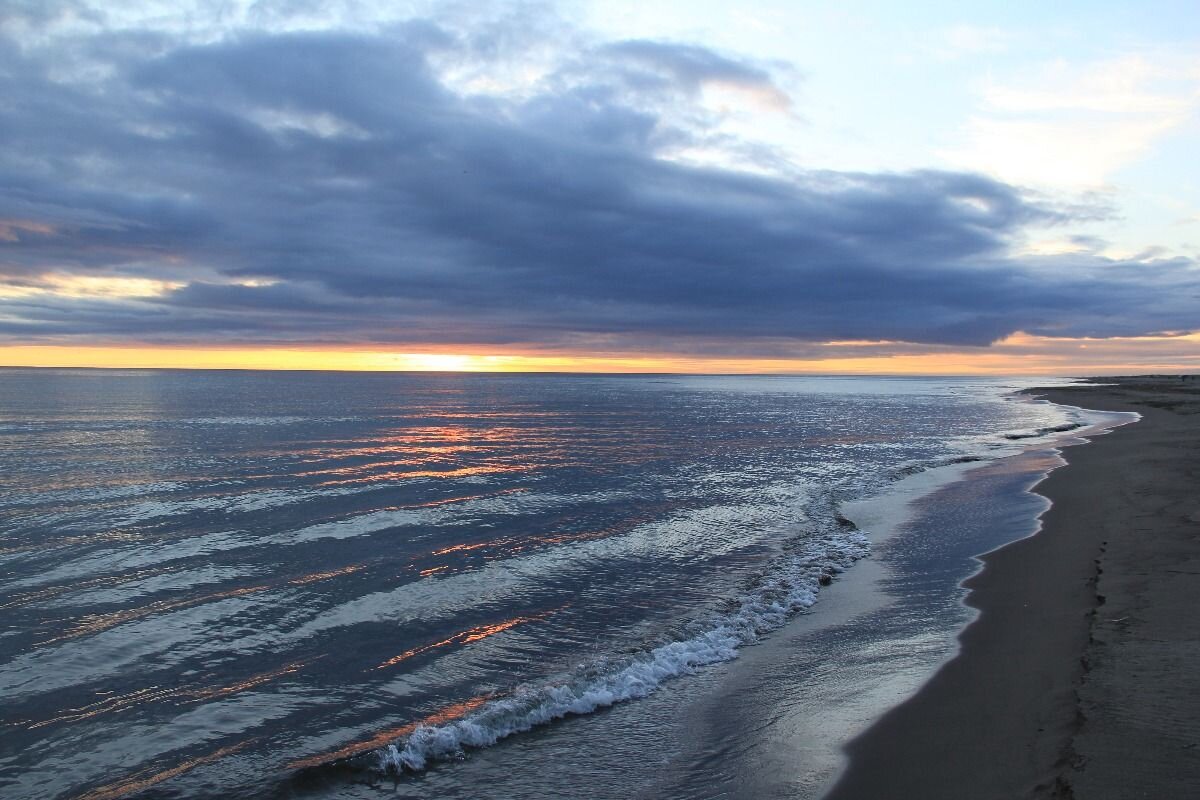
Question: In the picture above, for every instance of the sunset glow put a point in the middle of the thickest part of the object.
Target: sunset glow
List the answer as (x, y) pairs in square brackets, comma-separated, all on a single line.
[(88, 286), (733, 197), (1018, 354)]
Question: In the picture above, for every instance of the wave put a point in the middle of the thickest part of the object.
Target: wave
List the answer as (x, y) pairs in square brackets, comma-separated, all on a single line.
[(1063, 428), (765, 606)]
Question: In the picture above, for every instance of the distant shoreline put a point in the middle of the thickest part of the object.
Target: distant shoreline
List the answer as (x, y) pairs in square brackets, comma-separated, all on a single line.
[(1077, 680)]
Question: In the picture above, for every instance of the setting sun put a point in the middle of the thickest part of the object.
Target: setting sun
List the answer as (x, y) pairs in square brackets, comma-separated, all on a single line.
[(1017, 354)]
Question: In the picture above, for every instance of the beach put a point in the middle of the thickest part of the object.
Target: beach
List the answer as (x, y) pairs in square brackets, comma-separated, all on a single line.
[(1077, 678), (237, 587)]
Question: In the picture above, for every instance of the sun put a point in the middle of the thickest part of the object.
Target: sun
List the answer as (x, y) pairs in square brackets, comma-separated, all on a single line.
[(436, 362)]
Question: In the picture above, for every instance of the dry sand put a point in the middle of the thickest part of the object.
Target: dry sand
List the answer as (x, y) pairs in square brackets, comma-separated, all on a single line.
[(1081, 676)]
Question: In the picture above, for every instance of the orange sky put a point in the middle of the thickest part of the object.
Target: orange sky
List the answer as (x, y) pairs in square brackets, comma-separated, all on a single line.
[(1019, 354)]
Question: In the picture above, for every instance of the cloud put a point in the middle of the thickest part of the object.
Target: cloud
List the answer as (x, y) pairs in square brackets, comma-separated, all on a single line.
[(1033, 130), (353, 186), (692, 69)]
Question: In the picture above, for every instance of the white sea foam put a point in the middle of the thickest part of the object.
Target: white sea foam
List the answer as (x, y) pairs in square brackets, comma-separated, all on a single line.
[(1056, 421), (530, 708), (763, 608)]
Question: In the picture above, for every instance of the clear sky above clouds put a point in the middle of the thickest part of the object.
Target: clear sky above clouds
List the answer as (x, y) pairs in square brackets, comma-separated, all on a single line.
[(777, 182), (1068, 97)]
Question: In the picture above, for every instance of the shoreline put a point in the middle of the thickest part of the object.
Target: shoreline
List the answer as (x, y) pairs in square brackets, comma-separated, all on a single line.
[(1041, 699), (883, 627)]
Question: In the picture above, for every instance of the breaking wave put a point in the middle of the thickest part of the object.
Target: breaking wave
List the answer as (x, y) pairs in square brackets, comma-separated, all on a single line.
[(764, 607)]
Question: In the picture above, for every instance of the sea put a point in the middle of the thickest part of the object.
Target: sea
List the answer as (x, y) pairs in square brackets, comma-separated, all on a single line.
[(237, 584)]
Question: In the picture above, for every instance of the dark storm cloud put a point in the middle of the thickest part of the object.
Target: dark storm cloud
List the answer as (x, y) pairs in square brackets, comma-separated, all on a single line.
[(370, 201)]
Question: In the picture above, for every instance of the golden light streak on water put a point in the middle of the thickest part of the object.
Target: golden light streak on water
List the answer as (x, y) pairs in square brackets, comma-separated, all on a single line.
[(360, 468), (324, 576), (97, 623), (468, 636), (511, 546), (460, 548), (384, 738), (69, 541), (49, 592), (252, 682), (153, 694), (432, 445), (461, 472), (108, 705), (139, 783)]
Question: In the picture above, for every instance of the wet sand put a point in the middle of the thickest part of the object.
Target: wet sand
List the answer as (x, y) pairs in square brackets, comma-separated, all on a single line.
[(1079, 678)]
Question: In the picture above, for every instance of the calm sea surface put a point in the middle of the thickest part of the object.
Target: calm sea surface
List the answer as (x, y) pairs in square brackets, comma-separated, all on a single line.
[(251, 585)]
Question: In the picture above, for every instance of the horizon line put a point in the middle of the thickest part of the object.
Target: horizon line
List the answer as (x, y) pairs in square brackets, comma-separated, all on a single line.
[(586, 373)]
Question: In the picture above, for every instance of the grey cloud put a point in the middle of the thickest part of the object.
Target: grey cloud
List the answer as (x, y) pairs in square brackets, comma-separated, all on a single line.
[(388, 208), (688, 67)]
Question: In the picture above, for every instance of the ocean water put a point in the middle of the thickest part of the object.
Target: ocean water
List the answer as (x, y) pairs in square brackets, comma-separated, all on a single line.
[(248, 585)]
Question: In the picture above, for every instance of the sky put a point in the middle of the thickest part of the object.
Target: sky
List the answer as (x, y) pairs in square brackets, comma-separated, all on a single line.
[(613, 186)]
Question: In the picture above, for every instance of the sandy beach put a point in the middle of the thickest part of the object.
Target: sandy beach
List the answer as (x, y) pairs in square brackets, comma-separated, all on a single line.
[(1077, 679)]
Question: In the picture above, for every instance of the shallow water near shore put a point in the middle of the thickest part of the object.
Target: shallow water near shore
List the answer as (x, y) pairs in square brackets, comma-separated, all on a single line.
[(253, 584)]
